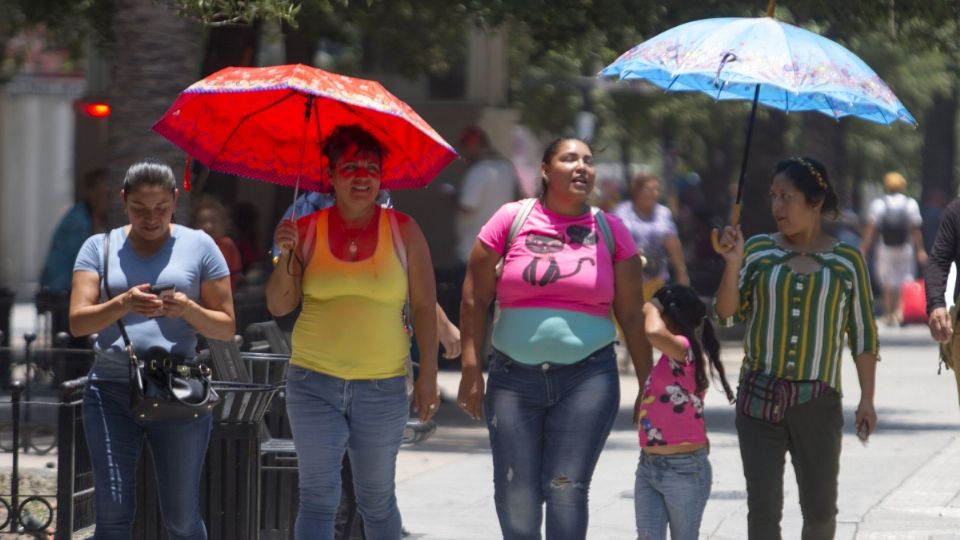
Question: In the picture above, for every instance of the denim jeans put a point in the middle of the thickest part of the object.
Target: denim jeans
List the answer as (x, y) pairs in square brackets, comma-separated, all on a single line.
[(671, 489), (548, 424), (330, 416), (115, 439)]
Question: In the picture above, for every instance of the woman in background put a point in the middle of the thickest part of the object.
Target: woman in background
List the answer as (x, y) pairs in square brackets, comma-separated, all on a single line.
[(655, 233)]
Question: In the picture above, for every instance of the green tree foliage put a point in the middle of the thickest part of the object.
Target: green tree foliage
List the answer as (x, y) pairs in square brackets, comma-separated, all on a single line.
[(224, 12)]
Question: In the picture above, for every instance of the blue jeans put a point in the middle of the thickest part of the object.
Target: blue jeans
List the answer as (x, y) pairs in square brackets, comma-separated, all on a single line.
[(330, 416), (115, 439), (671, 489), (548, 424)]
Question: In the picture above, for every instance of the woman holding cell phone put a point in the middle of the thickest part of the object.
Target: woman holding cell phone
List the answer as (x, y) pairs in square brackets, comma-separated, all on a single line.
[(167, 283), (802, 296)]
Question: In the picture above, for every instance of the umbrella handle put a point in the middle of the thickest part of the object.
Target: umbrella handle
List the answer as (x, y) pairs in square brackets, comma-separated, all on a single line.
[(715, 233)]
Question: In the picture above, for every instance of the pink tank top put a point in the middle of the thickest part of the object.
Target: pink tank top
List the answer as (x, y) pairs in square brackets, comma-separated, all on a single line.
[(671, 411)]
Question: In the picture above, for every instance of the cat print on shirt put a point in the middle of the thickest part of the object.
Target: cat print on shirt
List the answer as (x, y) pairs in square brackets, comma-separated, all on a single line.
[(546, 245)]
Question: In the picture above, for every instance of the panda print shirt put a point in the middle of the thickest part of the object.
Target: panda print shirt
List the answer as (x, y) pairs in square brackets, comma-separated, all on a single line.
[(671, 410)]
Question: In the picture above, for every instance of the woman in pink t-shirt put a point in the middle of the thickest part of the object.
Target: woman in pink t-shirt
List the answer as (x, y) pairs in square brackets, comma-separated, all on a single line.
[(674, 475), (553, 388)]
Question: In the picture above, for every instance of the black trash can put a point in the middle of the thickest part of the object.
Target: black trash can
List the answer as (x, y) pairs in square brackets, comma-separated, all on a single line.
[(230, 487)]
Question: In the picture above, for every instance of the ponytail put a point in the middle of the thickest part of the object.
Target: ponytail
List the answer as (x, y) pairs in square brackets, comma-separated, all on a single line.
[(684, 309), (716, 366)]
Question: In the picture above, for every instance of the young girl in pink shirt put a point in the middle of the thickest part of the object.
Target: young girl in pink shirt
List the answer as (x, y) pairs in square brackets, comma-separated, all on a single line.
[(674, 474)]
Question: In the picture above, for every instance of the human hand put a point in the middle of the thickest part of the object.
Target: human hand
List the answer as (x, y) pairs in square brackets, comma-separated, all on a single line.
[(922, 257), (139, 300), (426, 396), (730, 244), (865, 420), (941, 327), (176, 304), (470, 395), (285, 236), (450, 339)]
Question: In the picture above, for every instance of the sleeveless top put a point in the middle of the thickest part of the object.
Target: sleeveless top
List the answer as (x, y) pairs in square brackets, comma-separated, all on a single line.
[(351, 325)]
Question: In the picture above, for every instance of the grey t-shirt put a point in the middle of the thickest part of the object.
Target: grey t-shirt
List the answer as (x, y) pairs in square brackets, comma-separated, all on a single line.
[(187, 259)]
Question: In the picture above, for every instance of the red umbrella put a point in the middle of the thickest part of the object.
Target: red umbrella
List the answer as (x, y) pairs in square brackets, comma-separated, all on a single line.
[(269, 124)]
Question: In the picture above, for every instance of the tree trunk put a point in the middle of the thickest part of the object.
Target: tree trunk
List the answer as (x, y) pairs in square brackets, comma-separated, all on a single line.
[(822, 139), (227, 46), (153, 59), (768, 146), (717, 177), (939, 152)]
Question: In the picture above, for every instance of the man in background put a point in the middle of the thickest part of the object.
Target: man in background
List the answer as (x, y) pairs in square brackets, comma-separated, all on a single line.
[(895, 218), (85, 218), (490, 182)]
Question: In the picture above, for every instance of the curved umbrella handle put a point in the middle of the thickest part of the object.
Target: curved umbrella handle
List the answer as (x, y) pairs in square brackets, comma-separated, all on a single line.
[(715, 233)]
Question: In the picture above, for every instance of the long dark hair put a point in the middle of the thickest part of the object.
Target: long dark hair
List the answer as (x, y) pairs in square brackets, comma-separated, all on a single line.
[(685, 312)]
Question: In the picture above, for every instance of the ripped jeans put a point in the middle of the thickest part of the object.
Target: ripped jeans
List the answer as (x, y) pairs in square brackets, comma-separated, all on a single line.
[(548, 424)]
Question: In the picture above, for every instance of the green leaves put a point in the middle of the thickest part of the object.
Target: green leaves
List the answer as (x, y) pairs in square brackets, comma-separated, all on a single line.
[(224, 12)]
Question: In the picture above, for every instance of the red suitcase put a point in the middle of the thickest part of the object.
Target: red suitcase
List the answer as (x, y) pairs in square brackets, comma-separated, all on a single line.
[(913, 300)]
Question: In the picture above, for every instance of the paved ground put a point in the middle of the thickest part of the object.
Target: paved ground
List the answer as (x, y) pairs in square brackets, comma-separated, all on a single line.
[(904, 485)]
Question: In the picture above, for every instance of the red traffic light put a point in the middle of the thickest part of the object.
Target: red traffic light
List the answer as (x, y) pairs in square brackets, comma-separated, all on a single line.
[(97, 109)]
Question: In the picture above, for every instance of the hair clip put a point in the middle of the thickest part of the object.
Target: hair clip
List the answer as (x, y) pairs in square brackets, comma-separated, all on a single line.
[(812, 170)]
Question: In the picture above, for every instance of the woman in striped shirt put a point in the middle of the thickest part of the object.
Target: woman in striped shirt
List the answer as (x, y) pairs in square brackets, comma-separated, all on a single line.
[(800, 293)]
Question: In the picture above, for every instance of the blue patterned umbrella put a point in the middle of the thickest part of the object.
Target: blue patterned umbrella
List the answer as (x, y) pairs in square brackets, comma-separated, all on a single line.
[(766, 61)]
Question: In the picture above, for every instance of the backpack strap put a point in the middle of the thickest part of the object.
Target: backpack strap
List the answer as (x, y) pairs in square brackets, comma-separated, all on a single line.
[(525, 208), (398, 247), (310, 236), (401, 250), (604, 227)]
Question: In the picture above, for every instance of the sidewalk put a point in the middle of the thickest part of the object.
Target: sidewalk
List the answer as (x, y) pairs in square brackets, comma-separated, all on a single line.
[(904, 484)]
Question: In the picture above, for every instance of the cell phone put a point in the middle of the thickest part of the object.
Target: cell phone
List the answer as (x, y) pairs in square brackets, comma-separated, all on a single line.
[(863, 434), (163, 290)]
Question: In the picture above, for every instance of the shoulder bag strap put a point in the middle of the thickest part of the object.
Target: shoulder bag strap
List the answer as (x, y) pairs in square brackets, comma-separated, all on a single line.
[(106, 289)]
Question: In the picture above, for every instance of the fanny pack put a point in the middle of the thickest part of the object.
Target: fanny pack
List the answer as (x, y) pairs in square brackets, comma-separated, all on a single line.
[(163, 386), (767, 398)]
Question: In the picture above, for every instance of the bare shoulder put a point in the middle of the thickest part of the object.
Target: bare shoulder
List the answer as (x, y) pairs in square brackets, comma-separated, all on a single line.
[(405, 222), (408, 227), (402, 218)]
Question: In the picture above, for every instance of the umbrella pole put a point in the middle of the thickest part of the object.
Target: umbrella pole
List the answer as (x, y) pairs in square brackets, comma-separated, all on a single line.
[(735, 213), (308, 109)]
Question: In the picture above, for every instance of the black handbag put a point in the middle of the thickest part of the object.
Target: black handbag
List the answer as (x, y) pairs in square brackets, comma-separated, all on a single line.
[(163, 386)]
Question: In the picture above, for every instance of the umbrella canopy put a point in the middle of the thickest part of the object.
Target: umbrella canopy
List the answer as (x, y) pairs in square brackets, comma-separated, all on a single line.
[(735, 58), (270, 123), (768, 61)]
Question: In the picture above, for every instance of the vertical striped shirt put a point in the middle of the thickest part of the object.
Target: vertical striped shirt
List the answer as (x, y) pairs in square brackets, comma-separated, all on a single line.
[(795, 323)]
